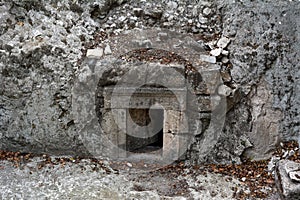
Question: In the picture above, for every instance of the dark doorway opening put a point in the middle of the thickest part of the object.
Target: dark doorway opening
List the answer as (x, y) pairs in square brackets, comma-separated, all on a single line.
[(153, 143)]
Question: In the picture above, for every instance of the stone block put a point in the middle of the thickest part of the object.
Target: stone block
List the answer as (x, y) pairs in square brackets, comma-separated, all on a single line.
[(144, 98), (94, 53), (169, 76), (287, 179), (114, 127), (176, 122), (153, 74), (171, 147), (211, 78)]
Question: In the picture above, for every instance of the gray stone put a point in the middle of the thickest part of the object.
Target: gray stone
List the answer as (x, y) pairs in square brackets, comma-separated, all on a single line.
[(154, 13), (287, 179), (225, 60), (226, 76), (209, 59), (107, 50)]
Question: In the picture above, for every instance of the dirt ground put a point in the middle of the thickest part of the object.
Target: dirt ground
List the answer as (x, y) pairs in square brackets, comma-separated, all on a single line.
[(28, 176)]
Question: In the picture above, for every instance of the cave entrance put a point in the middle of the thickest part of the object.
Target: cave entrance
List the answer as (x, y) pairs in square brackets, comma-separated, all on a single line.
[(150, 140)]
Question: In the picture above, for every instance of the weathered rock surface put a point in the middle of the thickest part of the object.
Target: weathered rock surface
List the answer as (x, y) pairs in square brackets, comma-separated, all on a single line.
[(288, 179), (42, 45), (263, 52), (89, 180)]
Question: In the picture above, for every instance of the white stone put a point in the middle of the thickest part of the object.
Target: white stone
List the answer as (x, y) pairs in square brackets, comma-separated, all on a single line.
[(122, 18), (216, 52), (94, 53), (223, 42), (225, 52), (286, 153), (224, 90), (107, 50), (211, 44), (207, 58), (129, 164), (287, 179), (206, 11), (272, 163), (295, 176)]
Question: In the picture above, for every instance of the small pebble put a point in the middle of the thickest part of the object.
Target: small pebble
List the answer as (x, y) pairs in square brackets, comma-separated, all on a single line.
[(129, 164)]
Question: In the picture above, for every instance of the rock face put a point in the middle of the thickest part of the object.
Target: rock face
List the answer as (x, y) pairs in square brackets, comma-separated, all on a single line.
[(261, 51), (288, 179), (53, 53)]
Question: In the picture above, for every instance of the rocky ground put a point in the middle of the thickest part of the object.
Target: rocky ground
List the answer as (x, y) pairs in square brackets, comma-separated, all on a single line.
[(28, 176)]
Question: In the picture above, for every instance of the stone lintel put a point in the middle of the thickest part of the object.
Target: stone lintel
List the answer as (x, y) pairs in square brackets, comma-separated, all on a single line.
[(118, 98)]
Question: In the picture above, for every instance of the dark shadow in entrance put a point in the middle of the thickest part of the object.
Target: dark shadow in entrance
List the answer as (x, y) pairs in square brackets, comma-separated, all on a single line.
[(151, 144)]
